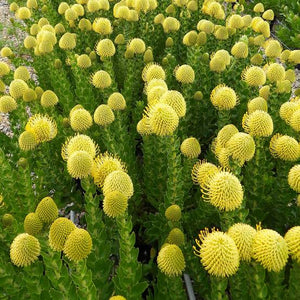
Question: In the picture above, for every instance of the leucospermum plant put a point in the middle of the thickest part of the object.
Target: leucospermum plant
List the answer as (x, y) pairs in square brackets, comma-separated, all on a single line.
[(135, 125)]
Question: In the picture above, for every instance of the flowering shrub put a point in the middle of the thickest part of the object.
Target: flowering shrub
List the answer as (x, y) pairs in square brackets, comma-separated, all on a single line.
[(151, 121)]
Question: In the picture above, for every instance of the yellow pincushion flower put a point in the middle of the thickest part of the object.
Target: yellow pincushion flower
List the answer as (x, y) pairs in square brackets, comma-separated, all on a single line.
[(268, 15), (243, 235), (275, 72), (103, 165), (221, 33), (190, 39), (287, 109), (176, 237), (27, 141), (79, 142), (170, 24), (235, 21), (257, 59), (117, 298), (4, 68), (153, 71), (116, 101), (22, 73), (58, 233), (290, 75), (105, 48), (163, 119), (24, 250), (295, 120), (6, 52), (23, 13), (67, 41), (270, 250), (294, 178), (294, 57), (223, 97), (143, 126), (80, 120), (103, 115), (215, 10), (148, 56), (224, 191), (49, 99), (59, 28), (258, 103), (13, 7), (17, 88), (264, 91), (292, 238), (43, 128), (247, 19), (202, 172), (272, 48), (71, 14), (93, 5), (241, 146), (223, 54), (239, 50), (184, 74), (254, 76), (115, 204), (155, 83), (78, 245), (101, 80), (173, 213), (137, 45), (118, 181), (84, 61), (7, 219), (217, 64), (259, 40), (170, 260), (190, 148), (32, 224), (219, 254), (283, 86), (80, 164), (121, 12), (259, 8), (259, 123), (85, 25), (47, 210), (223, 155), (206, 26), (175, 100), (7, 104), (284, 147), (30, 42)]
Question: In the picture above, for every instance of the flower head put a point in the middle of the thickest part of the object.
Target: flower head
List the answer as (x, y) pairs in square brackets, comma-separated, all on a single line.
[(153, 71), (102, 26), (24, 250), (103, 115), (7, 104), (80, 119), (80, 164), (190, 148), (294, 178), (254, 76), (258, 103), (224, 191), (43, 127), (175, 100), (17, 88), (49, 99), (27, 141), (58, 233), (270, 250), (22, 73), (163, 119), (116, 101), (47, 210), (78, 244), (284, 147), (176, 236), (101, 80), (32, 224), (79, 142), (243, 235), (115, 204), (118, 181), (275, 72), (292, 238), (184, 74), (258, 123), (173, 213), (223, 97), (202, 172), (218, 252), (170, 260), (105, 48)]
